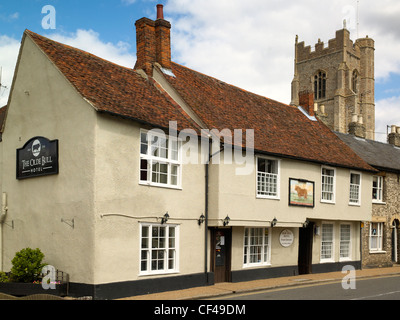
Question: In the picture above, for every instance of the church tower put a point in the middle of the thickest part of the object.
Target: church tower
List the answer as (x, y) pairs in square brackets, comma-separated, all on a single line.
[(341, 78)]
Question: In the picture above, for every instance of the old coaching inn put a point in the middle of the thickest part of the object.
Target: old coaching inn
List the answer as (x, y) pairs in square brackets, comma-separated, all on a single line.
[(93, 174)]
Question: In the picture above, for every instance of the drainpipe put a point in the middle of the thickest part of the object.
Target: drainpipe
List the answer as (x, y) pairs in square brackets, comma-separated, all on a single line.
[(206, 210), (2, 218), (207, 168)]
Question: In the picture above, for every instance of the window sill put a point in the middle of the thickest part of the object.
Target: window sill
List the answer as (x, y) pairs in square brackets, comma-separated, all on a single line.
[(166, 186), (345, 259), (377, 251), (378, 202), (160, 273), (257, 265), (354, 204), (268, 197), (328, 202), (327, 261)]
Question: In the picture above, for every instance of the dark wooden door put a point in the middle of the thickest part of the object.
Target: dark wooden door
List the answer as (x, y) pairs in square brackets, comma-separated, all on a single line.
[(305, 249), (221, 248)]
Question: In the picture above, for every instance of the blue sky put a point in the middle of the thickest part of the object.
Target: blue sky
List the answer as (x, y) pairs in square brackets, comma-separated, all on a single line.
[(246, 43)]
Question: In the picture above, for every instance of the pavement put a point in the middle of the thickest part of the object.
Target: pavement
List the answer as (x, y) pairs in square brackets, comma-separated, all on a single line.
[(220, 290)]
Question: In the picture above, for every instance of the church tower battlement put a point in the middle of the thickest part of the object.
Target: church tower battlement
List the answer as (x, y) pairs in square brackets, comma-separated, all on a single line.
[(341, 76)]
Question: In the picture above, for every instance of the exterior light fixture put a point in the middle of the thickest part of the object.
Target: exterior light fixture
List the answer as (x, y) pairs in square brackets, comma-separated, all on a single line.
[(201, 219), (165, 218), (226, 221), (273, 222)]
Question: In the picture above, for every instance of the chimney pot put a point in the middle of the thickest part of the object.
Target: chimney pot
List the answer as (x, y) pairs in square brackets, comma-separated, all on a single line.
[(160, 11), (153, 42)]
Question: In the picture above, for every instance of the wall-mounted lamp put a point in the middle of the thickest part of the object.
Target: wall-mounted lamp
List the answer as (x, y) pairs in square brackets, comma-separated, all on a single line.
[(201, 219), (165, 218), (273, 222), (226, 221)]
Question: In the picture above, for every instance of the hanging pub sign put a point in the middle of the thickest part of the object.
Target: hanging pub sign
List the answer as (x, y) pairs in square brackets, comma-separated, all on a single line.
[(38, 157)]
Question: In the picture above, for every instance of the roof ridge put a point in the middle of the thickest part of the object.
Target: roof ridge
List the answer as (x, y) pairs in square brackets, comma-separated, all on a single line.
[(30, 33), (234, 86)]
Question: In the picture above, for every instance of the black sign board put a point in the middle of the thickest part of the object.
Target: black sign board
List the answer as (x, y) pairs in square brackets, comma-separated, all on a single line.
[(38, 157)]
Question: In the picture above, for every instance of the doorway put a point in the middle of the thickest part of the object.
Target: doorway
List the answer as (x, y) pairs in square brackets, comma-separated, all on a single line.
[(305, 249), (221, 246)]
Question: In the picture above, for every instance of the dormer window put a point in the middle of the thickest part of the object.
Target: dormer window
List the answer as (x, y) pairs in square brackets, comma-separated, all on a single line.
[(320, 85)]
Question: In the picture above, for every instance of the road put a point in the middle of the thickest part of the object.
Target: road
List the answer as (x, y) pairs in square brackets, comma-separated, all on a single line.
[(382, 288)]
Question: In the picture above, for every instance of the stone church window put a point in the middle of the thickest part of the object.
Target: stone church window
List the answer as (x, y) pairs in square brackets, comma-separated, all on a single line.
[(320, 85), (354, 83)]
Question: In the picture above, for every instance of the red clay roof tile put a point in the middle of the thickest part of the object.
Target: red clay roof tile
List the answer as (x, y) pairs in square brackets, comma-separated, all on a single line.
[(112, 88), (279, 129)]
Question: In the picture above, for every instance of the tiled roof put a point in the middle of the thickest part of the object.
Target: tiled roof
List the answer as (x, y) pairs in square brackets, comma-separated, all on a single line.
[(279, 129), (380, 155), (112, 88)]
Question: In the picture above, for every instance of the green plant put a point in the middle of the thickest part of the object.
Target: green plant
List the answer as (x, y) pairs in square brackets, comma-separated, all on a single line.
[(27, 265), (4, 277)]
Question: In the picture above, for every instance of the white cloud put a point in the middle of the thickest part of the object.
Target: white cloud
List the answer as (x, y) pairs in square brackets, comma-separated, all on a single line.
[(251, 43), (86, 40), (387, 113), (8, 58), (89, 40)]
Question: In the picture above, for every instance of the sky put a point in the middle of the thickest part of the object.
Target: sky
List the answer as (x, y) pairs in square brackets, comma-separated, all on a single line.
[(249, 43)]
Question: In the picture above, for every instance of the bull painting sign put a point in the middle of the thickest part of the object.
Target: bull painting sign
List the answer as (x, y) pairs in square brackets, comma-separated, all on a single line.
[(38, 157), (301, 193)]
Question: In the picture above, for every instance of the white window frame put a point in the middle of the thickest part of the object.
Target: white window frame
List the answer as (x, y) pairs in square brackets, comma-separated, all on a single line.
[(376, 234), (276, 176), (155, 161), (379, 189), (327, 242), (323, 191), (150, 250), (355, 188), (265, 248), (345, 244)]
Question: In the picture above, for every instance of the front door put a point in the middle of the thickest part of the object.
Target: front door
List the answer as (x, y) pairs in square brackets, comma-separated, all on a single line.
[(221, 248), (305, 249)]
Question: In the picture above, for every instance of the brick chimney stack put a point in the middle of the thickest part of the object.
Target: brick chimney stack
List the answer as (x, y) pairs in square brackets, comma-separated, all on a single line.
[(153, 42), (306, 101)]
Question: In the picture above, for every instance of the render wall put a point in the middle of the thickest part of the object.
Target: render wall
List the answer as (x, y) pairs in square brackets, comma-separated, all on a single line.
[(122, 203), (44, 104), (236, 195)]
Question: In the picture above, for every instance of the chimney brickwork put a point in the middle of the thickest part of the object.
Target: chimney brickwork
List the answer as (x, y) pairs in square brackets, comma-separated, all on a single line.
[(153, 42), (306, 100), (394, 136)]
